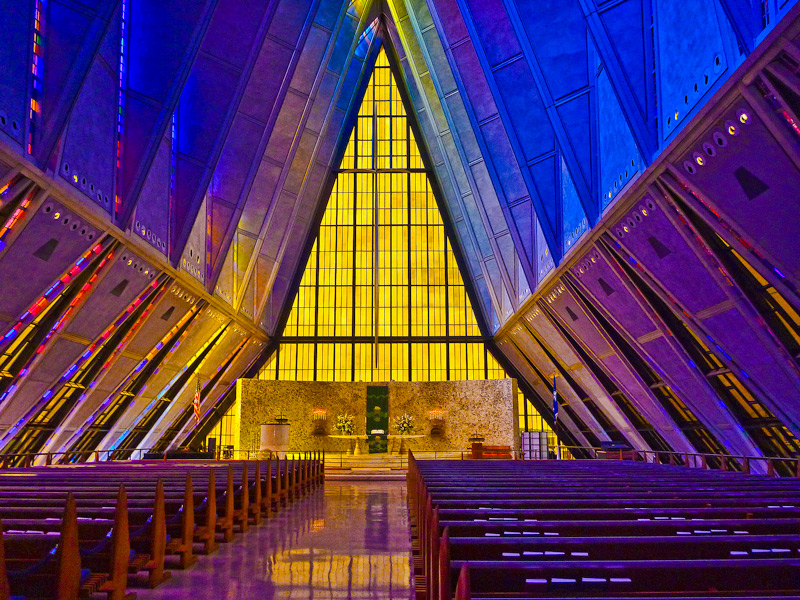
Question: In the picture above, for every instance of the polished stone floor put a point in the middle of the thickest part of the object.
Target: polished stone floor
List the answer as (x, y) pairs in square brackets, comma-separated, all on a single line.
[(348, 540)]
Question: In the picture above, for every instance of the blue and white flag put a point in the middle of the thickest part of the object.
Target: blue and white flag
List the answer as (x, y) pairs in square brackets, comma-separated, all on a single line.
[(555, 400)]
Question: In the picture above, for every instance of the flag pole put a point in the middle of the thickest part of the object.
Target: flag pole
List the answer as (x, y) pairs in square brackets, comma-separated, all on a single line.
[(555, 418)]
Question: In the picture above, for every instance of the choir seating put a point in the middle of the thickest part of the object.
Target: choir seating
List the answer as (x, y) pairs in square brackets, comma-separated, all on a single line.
[(601, 529), (72, 531)]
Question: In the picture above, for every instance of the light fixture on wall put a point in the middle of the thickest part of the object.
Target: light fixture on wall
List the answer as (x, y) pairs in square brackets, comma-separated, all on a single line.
[(319, 417), (436, 417), (436, 414)]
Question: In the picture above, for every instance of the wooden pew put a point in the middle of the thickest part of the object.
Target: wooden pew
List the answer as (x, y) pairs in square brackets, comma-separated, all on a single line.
[(205, 531), (710, 547), (33, 566), (619, 527), (147, 528), (598, 579), (107, 559), (463, 592), (181, 529), (241, 500), (254, 508), (164, 511), (179, 511), (599, 520)]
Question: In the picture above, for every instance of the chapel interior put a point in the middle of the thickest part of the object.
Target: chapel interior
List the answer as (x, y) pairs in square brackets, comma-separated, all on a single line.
[(399, 299)]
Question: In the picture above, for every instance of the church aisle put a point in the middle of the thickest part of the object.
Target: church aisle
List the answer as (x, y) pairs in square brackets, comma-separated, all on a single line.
[(346, 540)]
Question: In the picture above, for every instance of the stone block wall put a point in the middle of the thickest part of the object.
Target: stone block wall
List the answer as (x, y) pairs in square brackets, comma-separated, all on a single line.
[(488, 407)]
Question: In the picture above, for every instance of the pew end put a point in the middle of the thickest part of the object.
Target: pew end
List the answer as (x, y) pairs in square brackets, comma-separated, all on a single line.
[(463, 591), (206, 533), (158, 541)]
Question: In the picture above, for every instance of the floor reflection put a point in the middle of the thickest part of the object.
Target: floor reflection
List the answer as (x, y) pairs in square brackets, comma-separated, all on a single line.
[(376, 530), (348, 540)]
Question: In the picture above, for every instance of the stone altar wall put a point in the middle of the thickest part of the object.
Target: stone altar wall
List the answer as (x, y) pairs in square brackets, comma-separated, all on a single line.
[(487, 406)]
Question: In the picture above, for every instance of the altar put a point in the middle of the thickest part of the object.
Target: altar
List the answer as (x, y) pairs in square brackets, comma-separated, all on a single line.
[(443, 414), (397, 445)]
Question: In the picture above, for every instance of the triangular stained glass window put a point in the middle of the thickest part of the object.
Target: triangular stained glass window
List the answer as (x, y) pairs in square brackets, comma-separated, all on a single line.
[(382, 297)]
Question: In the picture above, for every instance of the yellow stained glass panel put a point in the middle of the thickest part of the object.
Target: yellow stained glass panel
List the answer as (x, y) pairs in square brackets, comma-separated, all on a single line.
[(390, 212)]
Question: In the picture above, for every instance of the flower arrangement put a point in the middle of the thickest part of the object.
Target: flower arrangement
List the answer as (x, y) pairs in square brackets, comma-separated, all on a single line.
[(404, 424), (344, 424)]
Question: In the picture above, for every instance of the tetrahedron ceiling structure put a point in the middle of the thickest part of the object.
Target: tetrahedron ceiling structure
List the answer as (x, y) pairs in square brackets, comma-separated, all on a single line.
[(198, 140)]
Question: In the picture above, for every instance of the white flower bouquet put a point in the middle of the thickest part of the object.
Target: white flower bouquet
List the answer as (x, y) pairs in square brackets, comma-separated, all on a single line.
[(345, 424), (404, 424)]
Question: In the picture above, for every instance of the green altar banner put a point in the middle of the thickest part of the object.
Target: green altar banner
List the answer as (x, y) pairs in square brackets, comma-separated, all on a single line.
[(377, 418)]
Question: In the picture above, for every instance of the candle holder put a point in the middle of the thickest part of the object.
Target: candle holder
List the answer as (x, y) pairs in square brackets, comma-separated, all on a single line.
[(477, 438)]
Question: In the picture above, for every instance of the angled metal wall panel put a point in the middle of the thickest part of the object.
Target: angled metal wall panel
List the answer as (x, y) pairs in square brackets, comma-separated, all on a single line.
[(205, 327), (222, 390), (749, 180), (118, 284), (290, 220), (208, 102), (483, 136), (16, 42), (544, 259), (88, 148), (173, 429), (50, 241), (43, 419), (7, 175), (547, 335), (484, 205), (563, 71), (707, 52), (82, 411), (163, 41), (232, 336), (224, 287), (242, 252), (745, 19), (530, 348), (519, 361), (565, 307), (152, 212), (612, 293), (452, 170), (193, 260), (123, 281), (668, 250), (710, 173), (619, 159), (71, 36), (150, 417), (243, 181), (164, 316), (623, 38)]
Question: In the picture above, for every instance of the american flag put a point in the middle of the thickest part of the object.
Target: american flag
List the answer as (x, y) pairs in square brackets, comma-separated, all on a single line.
[(555, 400), (197, 403)]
